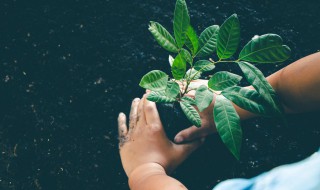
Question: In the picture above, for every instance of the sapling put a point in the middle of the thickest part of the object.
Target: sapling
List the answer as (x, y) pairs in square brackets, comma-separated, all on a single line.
[(189, 63)]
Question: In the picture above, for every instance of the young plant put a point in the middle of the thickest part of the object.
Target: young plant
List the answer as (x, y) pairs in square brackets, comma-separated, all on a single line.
[(189, 65)]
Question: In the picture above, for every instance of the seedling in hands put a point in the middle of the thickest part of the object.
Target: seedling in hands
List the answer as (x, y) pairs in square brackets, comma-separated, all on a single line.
[(189, 65)]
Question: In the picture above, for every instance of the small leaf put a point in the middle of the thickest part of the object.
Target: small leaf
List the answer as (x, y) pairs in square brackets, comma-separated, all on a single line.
[(246, 99), (208, 41), (229, 37), (204, 97), (186, 55), (191, 113), (222, 80), (228, 125), (173, 89), (181, 22), (159, 97), (171, 59), (255, 77), (179, 67), (163, 37), (192, 41), (154, 80), (267, 48), (193, 73), (204, 65), (189, 100)]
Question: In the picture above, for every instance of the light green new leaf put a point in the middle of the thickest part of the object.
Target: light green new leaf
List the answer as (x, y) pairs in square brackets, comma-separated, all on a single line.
[(160, 97), (267, 48), (204, 65), (228, 37), (179, 67), (163, 37), (192, 41), (208, 41), (255, 77), (172, 89), (193, 73), (247, 99), (189, 100), (181, 22), (203, 97), (222, 80), (186, 55), (154, 80), (228, 125), (191, 113)]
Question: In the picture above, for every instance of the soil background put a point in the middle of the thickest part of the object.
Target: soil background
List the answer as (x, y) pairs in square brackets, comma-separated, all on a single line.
[(67, 68)]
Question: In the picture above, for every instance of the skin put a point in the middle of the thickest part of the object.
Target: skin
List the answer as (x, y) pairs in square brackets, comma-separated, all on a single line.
[(147, 155)]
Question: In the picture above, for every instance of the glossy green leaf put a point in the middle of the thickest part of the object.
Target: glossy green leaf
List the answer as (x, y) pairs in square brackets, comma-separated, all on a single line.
[(154, 80), (247, 99), (181, 22), (204, 65), (208, 41), (203, 98), (163, 37), (179, 67), (159, 97), (191, 113), (228, 125), (173, 89), (189, 100), (186, 55), (228, 37), (222, 80), (192, 41), (267, 48), (193, 73), (255, 77)]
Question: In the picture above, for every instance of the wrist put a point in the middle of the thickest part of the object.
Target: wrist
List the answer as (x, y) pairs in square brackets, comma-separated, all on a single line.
[(140, 174)]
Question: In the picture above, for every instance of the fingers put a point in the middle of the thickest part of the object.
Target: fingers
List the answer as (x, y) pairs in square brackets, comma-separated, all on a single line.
[(186, 149), (192, 133), (122, 128), (134, 113), (141, 120), (151, 112)]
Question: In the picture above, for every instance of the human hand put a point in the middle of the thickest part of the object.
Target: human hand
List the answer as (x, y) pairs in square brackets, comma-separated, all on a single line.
[(145, 141), (207, 127)]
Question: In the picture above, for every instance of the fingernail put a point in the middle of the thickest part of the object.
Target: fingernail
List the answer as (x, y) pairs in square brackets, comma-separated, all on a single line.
[(178, 139)]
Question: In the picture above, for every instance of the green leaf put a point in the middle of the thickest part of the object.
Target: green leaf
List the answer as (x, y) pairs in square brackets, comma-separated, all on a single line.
[(181, 22), (255, 77), (179, 67), (228, 37), (186, 55), (191, 113), (173, 89), (228, 125), (247, 99), (171, 59), (204, 97), (208, 41), (163, 37), (222, 80), (267, 48), (159, 97), (204, 65), (193, 73), (192, 41), (154, 80), (189, 100)]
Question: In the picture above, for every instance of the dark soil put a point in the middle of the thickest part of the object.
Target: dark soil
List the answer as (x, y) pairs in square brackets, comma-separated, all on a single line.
[(67, 68)]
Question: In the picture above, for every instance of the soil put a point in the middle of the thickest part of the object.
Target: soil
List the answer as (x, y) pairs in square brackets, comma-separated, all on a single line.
[(67, 68)]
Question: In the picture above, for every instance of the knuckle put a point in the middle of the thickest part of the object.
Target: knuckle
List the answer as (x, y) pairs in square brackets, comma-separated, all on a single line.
[(149, 107), (155, 128)]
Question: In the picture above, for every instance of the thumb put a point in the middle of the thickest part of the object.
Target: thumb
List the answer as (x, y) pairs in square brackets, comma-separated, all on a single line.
[(188, 148)]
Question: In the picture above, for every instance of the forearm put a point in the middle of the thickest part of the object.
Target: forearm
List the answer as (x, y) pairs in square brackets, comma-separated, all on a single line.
[(153, 176), (297, 85)]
